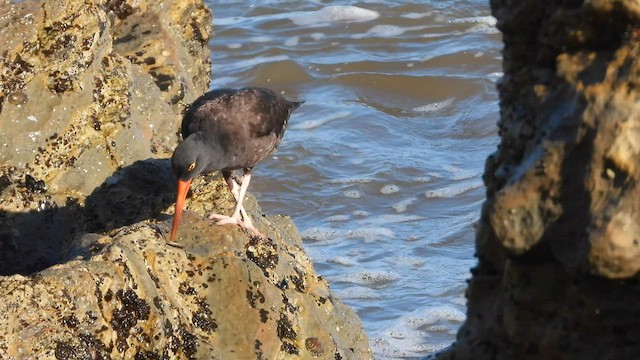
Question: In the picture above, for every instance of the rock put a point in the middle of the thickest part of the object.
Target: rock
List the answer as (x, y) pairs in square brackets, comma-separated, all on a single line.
[(85, 89), (91, 96), (558, 241), (126, 294)]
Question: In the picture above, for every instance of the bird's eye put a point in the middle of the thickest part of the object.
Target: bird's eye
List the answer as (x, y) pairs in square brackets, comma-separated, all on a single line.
[(191, 167)]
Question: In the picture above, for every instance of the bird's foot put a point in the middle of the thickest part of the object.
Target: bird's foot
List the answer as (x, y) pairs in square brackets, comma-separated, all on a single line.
[(235, 220), (218, 217), (226, 220)]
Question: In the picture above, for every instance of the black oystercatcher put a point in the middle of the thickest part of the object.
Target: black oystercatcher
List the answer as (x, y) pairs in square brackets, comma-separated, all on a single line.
[(225, 130)]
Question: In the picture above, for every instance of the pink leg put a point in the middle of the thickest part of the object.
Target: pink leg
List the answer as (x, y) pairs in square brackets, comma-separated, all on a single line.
[(233, 186), (240, 216)]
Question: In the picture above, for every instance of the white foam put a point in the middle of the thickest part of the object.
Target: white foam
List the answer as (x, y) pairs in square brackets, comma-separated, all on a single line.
[(453, 190), (435, 328), (439, 18), (365, 232), (387, 31), (234, 46), (484, 24), (490, 20), (338, 218), (460, 300), (436, 106), (360, 213), (312, 124), (483, 29), (402, 206), (358, 292), (318, 234), (495, 75), (351, 180), (424, 179), (411, 347), (260, 39), (370, 234), (405, 338), (432, 315), (406, 260), (414, 15), (368, 278), (460, 173), (389, 189), (317, 36), (352, 194), (343, 260), (413, 238), (292, 41), (333, 13)]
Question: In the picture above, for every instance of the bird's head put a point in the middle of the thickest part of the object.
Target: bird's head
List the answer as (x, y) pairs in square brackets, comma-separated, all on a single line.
[(188, 160)]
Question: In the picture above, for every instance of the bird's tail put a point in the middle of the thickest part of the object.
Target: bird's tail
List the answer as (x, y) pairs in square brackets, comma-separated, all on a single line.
[(295, 104)]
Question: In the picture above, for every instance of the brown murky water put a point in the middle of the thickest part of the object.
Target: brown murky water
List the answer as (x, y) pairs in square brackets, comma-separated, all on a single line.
[(381, 167)]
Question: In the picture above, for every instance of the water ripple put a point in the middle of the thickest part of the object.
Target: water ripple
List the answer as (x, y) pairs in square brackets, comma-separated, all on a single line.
[(381, 167)]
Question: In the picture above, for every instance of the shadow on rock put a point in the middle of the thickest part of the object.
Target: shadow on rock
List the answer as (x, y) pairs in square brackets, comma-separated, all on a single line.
[(48, 234)]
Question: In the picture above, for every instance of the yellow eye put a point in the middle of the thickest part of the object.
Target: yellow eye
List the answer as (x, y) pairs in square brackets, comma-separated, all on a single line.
[(191, 167)]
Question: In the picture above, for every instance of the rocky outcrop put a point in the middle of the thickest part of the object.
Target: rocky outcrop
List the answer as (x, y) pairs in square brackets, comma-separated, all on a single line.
[(125, 294), (85, 89), (558, 242), (91, 95)]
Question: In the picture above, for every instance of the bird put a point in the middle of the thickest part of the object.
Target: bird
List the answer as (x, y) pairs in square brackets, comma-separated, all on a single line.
[(226, 130)]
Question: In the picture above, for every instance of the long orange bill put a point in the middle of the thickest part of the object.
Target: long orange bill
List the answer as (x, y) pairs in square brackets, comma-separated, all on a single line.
[(183, 189)]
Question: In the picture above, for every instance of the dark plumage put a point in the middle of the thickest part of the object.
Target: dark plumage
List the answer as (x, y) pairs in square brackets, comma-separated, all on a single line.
[(225, 130)]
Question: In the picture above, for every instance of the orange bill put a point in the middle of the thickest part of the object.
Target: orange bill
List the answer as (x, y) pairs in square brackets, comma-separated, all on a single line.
[(183, 189)]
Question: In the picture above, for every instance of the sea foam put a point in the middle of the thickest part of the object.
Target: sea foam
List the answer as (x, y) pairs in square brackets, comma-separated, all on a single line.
[(334, 13)]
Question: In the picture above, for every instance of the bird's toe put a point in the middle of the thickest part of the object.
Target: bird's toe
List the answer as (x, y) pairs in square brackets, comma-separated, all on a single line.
[(218, 217), (229, 220)]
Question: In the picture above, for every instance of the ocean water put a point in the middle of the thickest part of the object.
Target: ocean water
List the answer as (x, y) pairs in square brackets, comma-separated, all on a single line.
[(381, 167)]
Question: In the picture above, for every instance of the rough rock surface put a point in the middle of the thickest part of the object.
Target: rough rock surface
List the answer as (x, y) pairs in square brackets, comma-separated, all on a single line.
[(91, 95), (125, 294), (558, 242), (86, 88)]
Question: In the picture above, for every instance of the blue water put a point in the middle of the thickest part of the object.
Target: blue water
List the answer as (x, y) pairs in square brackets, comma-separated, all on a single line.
[(381, 167)]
